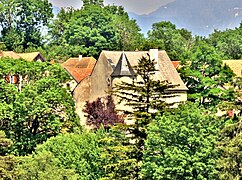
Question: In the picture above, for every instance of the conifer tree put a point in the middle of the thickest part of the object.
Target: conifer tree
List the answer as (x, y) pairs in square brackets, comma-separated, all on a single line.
[(146, 96), (118, 156)]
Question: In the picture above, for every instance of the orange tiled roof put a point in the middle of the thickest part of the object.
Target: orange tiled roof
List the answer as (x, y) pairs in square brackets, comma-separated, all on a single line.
[(176, 64), (71, 62), (80, 69)]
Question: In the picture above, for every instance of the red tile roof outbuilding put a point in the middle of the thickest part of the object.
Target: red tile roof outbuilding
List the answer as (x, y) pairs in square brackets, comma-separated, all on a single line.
[(79, 68)]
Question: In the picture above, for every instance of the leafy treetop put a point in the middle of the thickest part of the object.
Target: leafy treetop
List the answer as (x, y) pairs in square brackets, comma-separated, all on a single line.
[(206, 76), (181, 145), (43, 108)]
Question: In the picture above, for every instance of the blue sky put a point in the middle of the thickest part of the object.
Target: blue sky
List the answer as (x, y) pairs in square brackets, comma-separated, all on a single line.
[(137, 6)]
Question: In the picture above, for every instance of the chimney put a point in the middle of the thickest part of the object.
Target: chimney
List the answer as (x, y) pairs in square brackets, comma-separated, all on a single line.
[(154, 55), (80, 57)]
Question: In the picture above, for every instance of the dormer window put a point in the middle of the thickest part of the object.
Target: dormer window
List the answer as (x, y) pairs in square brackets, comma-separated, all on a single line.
[(123, 67)]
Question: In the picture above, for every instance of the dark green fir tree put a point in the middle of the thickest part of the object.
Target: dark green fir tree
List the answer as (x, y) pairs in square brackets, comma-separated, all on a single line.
[(147, 96)]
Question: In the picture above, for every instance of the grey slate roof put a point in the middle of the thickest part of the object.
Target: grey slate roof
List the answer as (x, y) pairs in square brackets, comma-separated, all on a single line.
[(123, 67), (166, 70)]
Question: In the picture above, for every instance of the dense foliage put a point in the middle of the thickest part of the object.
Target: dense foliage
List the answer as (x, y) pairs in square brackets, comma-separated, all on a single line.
[(79, 152), (229, 144), (181, 145), (36, 108), (93, 28), (7, 162), (86, 155), (43, 166), (165, 35), (228, 42), (20, 27), (206, 77), (119, 156)]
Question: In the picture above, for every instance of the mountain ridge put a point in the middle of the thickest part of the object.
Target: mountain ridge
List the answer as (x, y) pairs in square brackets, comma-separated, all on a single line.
[(199, 17)]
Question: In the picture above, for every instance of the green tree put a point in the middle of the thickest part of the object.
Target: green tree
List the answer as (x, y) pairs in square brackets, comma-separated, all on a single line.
[(7, 163), (100, 155), (41, 108), (93, 28), (181, 145), (9, 33), (227, 42), (164, 35), (87, 32), (21, 28), (92, 2), (146, 96), (206, 76), (118, 155), (43, 166), (229, 142), (58, 26), (128, 32), (79, 152), (229, 147)]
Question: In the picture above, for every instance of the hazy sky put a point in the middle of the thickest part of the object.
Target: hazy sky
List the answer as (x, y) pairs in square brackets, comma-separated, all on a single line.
[(137, 6)]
